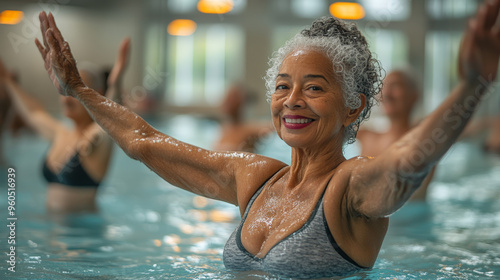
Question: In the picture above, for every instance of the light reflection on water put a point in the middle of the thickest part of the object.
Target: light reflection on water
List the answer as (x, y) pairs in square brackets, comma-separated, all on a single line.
[(147, 229)]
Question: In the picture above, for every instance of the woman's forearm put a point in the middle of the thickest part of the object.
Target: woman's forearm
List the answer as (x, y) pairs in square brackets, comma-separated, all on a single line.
[(125, 127), (114, 93), (204, 172), (25, 105), (422, 147)]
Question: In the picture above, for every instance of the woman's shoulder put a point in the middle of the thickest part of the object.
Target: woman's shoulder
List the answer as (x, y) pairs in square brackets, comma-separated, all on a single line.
[(346, 171), (253, 174), (355, 162)]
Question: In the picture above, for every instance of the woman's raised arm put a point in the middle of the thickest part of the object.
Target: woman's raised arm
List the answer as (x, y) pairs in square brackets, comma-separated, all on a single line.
[(215, 175), (114, 91), (382, 185), (30, 110)]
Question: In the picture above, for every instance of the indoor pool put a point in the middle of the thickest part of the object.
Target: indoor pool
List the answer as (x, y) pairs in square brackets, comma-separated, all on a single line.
[(148, 229)]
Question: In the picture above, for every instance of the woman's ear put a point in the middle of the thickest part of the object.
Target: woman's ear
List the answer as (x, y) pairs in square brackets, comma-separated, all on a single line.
[(353, 114)]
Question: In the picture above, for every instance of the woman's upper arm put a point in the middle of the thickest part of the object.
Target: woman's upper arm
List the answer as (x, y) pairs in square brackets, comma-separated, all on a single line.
[(213, 174), (44, 124), (380, 186)]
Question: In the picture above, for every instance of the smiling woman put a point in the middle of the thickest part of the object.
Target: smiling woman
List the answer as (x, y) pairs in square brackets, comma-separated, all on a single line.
[(310, 97), (322, 215), (351, 64)]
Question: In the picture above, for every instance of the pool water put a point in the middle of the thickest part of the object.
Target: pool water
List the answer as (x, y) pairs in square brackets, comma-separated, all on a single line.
[(148, 229)]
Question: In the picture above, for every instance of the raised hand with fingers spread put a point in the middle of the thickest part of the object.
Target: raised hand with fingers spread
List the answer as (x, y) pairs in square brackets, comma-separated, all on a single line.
[(59, 61)]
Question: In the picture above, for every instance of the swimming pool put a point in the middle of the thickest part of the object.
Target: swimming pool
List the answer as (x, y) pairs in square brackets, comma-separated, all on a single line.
[(148, 229)]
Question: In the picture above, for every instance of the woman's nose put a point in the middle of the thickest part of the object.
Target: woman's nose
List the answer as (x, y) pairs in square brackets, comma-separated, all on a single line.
[(295, 100)]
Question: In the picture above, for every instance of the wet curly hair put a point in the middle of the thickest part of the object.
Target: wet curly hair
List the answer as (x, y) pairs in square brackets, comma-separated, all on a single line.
[(356, 68)]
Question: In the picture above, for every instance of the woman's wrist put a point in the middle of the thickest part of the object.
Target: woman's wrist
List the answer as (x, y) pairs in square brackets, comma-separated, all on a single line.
[(477, 86), (75, 91)]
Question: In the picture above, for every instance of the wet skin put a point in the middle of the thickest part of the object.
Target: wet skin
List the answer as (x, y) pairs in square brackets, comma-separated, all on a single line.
[(398, 100), (361, 193), (309, 114)]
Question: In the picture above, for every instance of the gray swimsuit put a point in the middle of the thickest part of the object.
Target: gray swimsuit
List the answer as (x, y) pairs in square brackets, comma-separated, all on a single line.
[(310, 252)]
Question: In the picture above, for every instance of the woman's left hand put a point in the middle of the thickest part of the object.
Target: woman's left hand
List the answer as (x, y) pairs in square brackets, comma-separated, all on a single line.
[(480, 48), (59, 61)]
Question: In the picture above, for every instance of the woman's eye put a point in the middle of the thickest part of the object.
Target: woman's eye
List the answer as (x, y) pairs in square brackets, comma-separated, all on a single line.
[(315, 88), (281, 87)]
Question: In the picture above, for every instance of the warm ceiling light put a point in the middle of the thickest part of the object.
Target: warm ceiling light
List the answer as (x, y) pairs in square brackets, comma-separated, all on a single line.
[(347, 10), (181, 27), (11, 17), (215, 6)]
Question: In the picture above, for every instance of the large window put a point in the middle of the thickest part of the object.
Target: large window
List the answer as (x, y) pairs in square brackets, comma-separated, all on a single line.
[(387, 10), (439, 9), (200, 65), (390, 47), (309, 8), (440, 66)]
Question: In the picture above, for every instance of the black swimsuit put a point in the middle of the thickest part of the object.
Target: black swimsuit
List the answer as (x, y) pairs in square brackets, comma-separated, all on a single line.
[(72, 174)]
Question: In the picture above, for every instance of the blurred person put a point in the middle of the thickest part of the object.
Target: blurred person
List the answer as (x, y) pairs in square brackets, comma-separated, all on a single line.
[(9, 118), (487, 130), (400, 93), (79, 155), (236, 134)]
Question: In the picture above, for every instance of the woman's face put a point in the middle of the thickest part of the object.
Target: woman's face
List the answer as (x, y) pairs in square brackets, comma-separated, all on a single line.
[(308, 107), (398, 97)]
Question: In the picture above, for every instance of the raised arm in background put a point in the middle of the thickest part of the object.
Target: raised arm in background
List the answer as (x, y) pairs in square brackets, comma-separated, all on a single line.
[(114, 91), (30, 110)]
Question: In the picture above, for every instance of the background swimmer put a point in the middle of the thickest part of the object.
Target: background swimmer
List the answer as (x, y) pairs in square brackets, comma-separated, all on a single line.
[(236, 135), (78, 158)]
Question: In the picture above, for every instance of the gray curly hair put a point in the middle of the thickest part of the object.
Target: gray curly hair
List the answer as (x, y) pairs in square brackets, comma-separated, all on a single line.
[(358, 71)]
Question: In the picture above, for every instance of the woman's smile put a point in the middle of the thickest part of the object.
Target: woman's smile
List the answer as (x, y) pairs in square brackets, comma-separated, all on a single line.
[(308, 107), (296, 121)]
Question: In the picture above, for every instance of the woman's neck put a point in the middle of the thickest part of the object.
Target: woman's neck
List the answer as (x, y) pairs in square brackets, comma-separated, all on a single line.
[(314, 162)]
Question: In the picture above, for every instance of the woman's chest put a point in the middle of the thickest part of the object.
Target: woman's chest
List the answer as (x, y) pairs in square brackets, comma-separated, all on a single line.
[(63, 148), (272, 218)]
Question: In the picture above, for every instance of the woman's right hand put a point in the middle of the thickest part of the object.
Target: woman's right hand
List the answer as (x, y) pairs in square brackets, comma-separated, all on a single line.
[(59, 61)]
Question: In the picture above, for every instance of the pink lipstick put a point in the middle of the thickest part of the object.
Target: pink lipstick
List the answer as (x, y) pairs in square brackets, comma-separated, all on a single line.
[(296, 121)]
